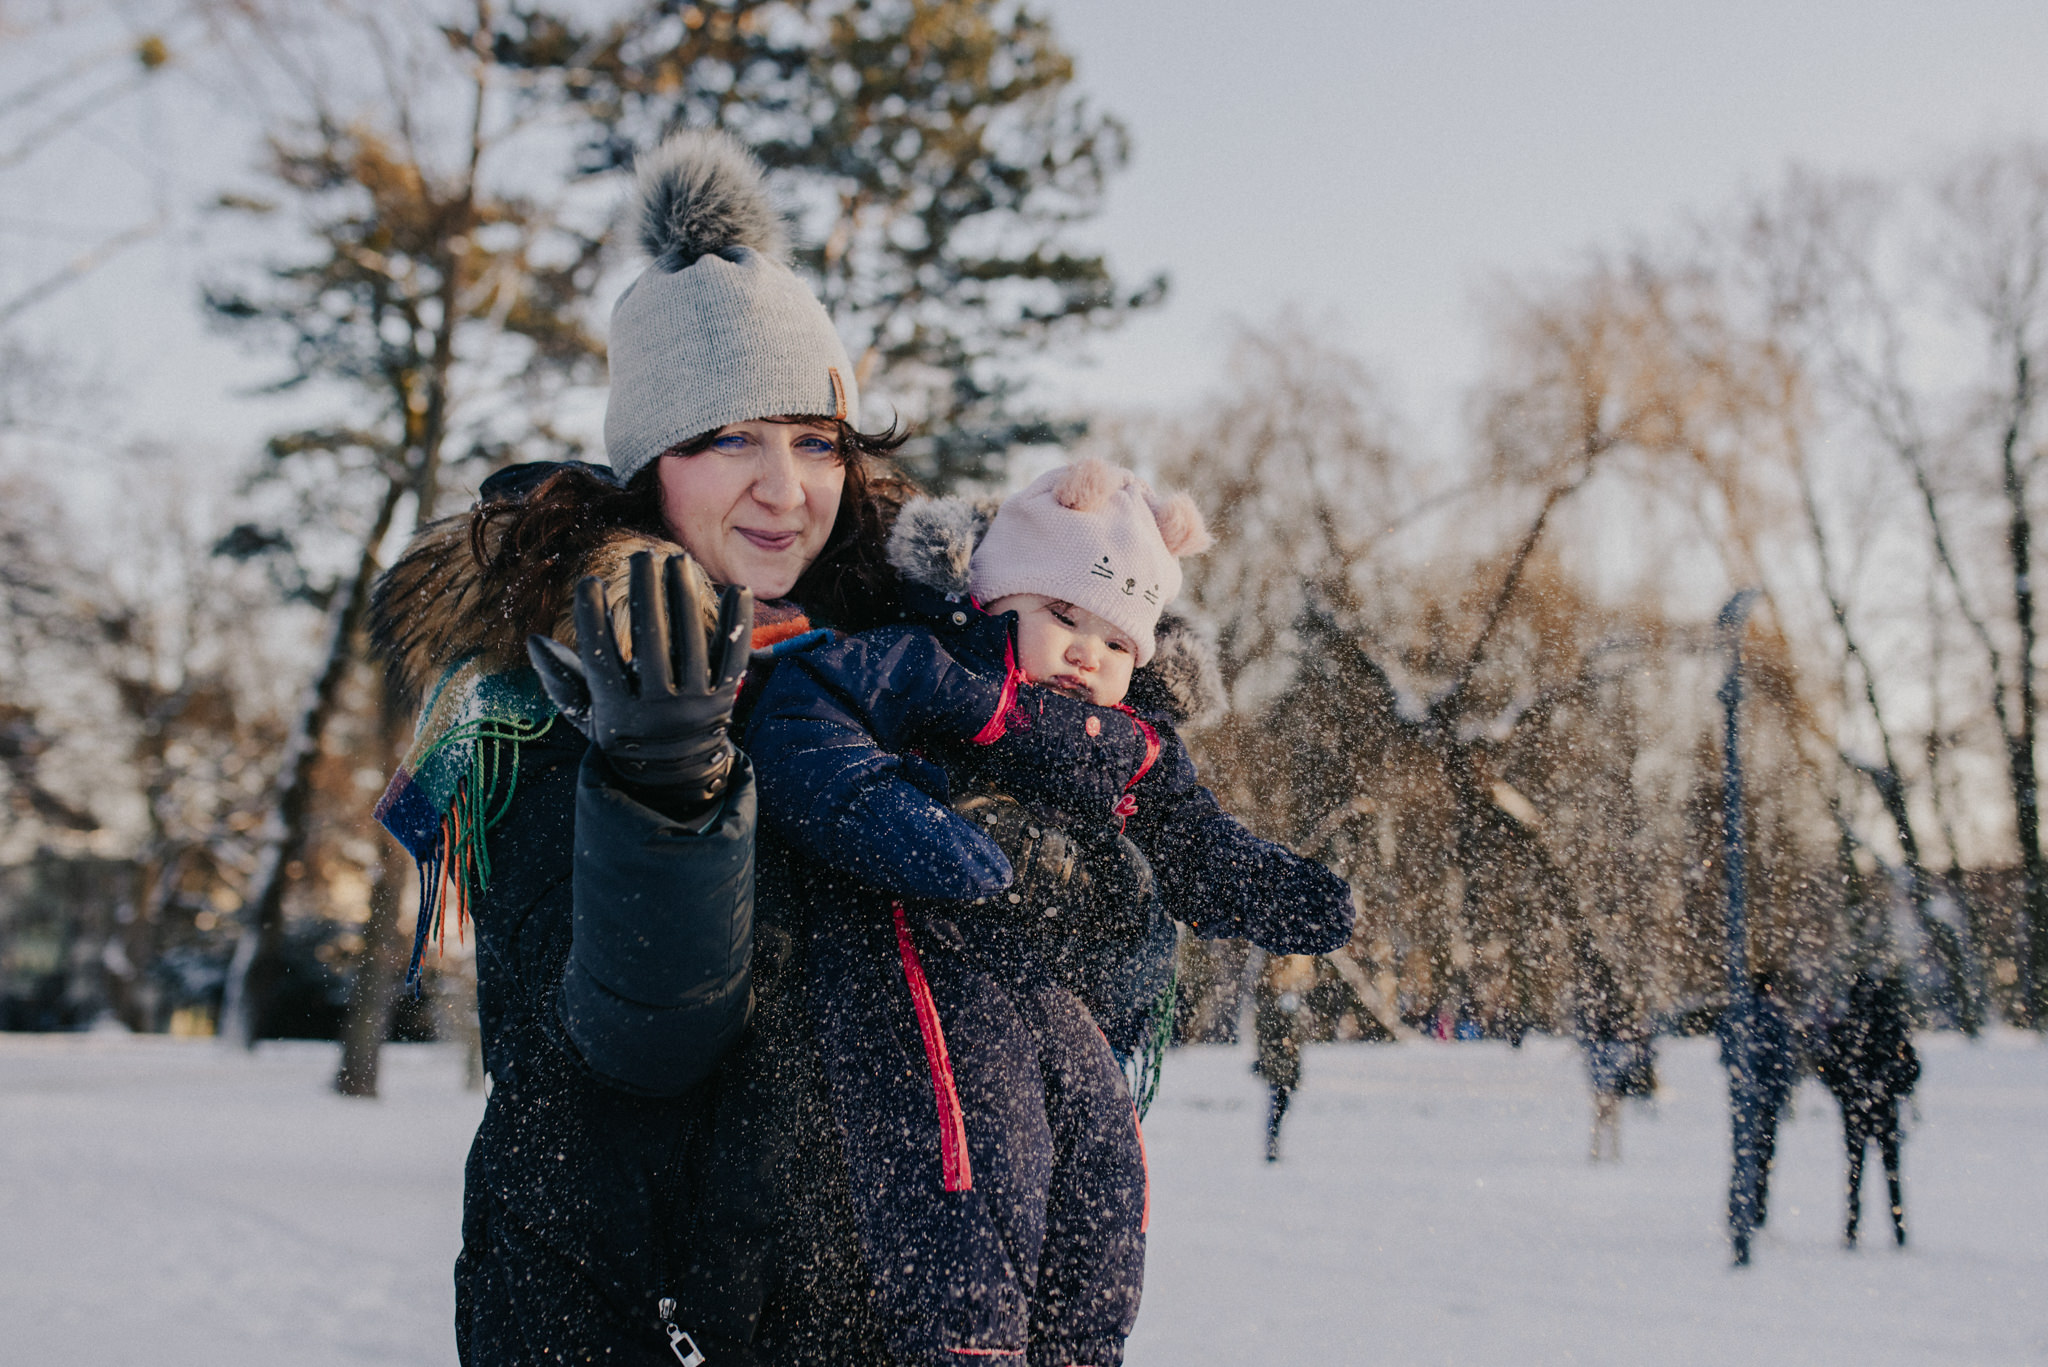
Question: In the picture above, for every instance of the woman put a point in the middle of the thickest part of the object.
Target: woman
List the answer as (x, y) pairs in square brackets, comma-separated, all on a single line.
[(657, 1176), (621, 1181)]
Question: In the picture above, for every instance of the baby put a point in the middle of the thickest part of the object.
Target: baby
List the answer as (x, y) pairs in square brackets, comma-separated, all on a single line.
[(992, 1145)]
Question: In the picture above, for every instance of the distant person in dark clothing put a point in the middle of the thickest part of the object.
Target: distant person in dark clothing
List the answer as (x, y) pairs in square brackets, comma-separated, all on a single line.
[(1621, 1056), (1774, 1058), (1866, 1058), (1277, 1021)]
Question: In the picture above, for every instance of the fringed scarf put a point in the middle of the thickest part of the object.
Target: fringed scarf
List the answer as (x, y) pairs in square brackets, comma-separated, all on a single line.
[(456, 783), (458, 779), (1147, 1063)]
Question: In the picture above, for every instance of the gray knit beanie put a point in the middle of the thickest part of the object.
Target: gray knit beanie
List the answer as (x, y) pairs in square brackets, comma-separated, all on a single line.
[(717, 329), (1094, 535)]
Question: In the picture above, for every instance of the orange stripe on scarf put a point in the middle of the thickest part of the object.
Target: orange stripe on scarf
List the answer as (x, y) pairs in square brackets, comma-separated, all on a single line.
[(770, 633)]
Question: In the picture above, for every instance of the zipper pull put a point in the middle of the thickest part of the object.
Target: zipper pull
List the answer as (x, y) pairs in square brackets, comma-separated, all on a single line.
[(681, 1344)]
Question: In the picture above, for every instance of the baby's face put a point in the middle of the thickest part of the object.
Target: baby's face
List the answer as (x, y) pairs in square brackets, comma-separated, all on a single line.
[(1070, 649)]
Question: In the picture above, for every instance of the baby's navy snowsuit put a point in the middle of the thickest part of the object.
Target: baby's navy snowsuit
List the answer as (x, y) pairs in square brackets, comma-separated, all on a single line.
[(997, 1170)]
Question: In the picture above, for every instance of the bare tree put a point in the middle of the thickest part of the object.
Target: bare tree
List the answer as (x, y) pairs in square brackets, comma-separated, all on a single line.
[(186, 641), (442, 300), (1352, 662), (42, 631), (1871, 282), (100, 62)]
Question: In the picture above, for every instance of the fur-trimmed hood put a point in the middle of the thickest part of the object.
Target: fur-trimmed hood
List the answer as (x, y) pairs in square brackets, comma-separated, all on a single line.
[(932, 545), (429, 611)]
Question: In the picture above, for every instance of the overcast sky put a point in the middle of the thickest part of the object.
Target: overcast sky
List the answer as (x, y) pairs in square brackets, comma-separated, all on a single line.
[(1375, 164), (1382, 162)]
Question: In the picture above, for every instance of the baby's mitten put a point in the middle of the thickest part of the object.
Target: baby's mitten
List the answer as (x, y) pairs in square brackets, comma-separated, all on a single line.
[(1071, 880)]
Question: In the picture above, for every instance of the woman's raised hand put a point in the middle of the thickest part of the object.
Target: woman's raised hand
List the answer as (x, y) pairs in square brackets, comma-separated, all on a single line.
[(660, 718)]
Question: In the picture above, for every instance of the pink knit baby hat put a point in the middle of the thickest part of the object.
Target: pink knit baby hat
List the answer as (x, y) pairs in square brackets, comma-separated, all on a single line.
[(1095, 535)]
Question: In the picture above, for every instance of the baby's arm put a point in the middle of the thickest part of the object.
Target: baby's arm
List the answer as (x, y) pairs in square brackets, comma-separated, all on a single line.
[(1223, 880), (833, 737)]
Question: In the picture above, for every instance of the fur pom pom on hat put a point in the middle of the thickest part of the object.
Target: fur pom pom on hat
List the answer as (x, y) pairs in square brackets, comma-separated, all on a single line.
[(717, 329), (1093, 534), (701, 195)]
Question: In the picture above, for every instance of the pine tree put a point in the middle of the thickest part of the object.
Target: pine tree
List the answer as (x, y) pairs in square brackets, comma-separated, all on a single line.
[(935, 155)]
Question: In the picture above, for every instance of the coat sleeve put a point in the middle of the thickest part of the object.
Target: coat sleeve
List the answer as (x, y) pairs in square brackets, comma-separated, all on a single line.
[(832, 736), (1221, 879), (611, 941), (657, 985), (836, 737)]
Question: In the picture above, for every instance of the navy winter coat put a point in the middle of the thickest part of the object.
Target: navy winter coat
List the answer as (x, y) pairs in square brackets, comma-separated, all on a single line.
[(842, 724), (993, 1148), (658, 1126), (1866, 1056)]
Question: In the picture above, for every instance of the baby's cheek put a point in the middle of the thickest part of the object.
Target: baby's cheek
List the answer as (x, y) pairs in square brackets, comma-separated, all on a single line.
[(1114, 682), (1108, 692)]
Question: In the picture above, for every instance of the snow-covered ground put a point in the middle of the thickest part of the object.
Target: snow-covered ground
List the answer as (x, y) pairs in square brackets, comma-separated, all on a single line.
[(1434, 1204), (175, 1203)]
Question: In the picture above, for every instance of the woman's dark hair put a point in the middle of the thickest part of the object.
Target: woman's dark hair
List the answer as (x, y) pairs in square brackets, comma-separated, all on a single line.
[(533, 548)]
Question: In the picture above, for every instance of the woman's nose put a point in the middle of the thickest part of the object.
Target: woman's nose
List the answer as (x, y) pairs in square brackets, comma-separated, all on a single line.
[(778, 485)]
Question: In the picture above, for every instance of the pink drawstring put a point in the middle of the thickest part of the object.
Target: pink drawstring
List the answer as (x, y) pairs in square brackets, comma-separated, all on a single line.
[(996, 726)]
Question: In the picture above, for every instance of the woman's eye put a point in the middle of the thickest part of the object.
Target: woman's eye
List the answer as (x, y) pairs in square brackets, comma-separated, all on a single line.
[(731, 441), (817, 446)]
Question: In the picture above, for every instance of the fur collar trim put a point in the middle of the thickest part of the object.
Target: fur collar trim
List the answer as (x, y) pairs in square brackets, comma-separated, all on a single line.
[(429, 611), (932, 544)]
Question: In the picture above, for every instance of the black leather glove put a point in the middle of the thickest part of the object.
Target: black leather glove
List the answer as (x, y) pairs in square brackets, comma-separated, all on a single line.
[(1083, 880), (661, 718)]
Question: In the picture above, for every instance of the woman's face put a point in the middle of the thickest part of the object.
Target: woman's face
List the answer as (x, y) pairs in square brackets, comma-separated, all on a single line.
[(757, 506)]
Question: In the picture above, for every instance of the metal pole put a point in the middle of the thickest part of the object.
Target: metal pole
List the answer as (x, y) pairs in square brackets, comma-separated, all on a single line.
[(1737, 1021)]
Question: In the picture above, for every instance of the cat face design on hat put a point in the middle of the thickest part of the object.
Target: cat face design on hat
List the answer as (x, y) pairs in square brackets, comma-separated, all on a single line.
[(1102, 569)]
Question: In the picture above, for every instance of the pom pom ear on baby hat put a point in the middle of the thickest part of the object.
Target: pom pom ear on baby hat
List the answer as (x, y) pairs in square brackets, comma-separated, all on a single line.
[(1089, 483), (1180, 525), (1094, 535)]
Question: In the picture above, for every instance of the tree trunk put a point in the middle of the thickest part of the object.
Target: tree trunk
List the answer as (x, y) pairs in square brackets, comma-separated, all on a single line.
[(373, 988), (1477, 855), (1890, 783), (2020, 750), (1947, 946), (253, 973)]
